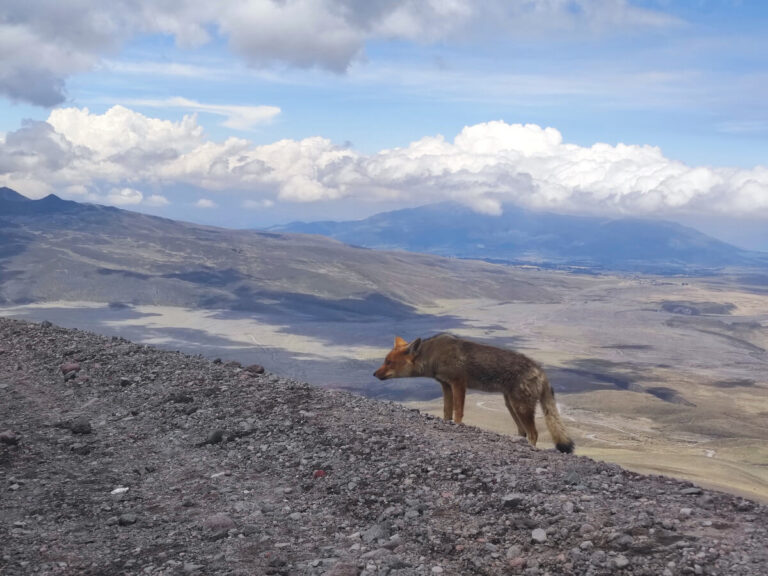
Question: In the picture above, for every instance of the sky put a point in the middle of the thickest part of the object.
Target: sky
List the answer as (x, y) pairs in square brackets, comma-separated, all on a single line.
[(250, 113)]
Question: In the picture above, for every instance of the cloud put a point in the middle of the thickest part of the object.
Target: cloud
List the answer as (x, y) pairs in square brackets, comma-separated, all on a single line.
[(206, 203), (156, 200), (124, 197), (486, 165), (43, 42), (237, 117), (258, 204)]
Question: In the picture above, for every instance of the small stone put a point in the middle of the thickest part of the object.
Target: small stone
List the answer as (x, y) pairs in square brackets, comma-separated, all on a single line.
[(685, 513), (319, 474), (9, 437), (437, 570), (81, 449), (691, 491), (377, 553), (255, 369), (343, 569), (219, 522), (539, 535), (376, 532), (68, 367), (46, 324), (112, 520), (621, 561), (127, 519), (214, 437), (586, 528), (514, 551), (568, 507), (512, 500), (572, 477), (80, 425)]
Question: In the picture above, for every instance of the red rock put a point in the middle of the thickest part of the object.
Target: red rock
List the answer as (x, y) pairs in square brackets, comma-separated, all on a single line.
[(319, 474), (70, 367)]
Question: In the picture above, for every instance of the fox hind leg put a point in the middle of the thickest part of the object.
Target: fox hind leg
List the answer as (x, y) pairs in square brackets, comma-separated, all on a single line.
[(447, 401), (527, 418), (459, 392), (520, 428)]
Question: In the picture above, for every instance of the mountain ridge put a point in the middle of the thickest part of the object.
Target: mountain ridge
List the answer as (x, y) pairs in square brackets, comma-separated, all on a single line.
[(54, 249), (521, 236)]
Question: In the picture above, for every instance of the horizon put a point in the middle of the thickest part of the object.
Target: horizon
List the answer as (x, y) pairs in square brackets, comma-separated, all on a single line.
[(360, 219), (243, 115)]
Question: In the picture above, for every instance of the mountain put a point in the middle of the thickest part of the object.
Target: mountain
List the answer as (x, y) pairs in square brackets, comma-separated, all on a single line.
[(194, 463), (53, 249), (522, 236), (8, 195)]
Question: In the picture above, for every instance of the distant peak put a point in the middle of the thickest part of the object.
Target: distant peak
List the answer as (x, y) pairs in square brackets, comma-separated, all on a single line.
[(11, 195)]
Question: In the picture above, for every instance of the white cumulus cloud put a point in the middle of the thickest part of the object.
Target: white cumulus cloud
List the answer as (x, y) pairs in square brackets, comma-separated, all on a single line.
[(119, 152), (205, 203), (157, 200), (124, 197)]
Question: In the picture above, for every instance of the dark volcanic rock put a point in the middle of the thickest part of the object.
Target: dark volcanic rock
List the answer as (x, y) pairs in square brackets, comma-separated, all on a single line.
[(80, 425), (9, 438), (296, 480), (255, 369)]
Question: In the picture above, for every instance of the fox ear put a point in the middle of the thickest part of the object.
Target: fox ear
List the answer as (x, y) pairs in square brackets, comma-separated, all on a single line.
[(400, 343), (414, 347)]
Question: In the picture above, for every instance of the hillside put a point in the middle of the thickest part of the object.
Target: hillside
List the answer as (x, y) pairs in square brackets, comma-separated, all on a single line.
[(52, 249), (523, 236), (119, 458)]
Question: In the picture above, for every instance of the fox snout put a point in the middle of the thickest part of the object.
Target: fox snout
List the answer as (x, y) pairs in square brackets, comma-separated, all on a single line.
[(381, 373)]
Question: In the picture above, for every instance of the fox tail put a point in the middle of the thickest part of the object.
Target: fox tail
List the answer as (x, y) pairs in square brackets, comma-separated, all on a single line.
[(552, 417)]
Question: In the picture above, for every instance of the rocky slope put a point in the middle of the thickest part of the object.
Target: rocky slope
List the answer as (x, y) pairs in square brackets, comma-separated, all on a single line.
[(117, 458)]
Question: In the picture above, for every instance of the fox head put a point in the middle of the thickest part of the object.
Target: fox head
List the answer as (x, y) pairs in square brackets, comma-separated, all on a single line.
[(400, 362)]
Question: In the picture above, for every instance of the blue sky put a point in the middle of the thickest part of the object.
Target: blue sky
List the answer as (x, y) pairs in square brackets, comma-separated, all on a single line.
[(254, 113)]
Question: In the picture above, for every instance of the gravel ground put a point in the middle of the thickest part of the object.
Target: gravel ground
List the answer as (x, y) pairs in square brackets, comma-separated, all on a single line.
[(117, 458)]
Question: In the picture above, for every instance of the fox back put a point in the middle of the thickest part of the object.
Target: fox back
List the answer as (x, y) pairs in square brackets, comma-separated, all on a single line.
[(448, 358)]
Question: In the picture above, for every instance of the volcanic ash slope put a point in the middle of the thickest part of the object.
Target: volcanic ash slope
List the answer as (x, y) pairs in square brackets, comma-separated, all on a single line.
[(117, 458)]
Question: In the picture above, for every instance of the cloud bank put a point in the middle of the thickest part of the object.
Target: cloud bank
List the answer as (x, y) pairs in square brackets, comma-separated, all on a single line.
[(43, 42), (112, 157)]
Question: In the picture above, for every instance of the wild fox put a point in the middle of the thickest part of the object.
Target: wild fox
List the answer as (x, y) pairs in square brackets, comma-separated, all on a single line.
[(460, 364)]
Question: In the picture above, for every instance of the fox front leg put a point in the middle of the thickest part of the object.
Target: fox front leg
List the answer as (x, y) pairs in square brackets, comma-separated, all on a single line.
[(459, 392), (447, 401)]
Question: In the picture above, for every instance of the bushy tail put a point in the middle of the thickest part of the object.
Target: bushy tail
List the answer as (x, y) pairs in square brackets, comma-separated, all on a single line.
[(552, 417)]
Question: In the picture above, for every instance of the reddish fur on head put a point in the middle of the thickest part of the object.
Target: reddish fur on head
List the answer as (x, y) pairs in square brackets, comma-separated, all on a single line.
[(399, 361)]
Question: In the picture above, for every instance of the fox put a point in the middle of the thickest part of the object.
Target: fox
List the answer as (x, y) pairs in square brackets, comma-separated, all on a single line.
[(458, 364)]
